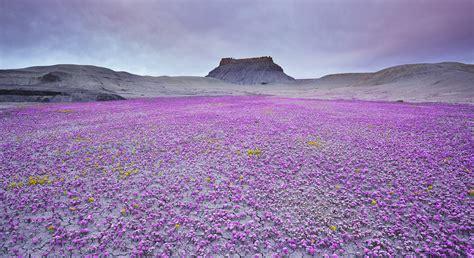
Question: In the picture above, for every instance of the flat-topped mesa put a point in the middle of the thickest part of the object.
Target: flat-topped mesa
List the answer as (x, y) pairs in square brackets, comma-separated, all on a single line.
[(255, 70), (262, 59)]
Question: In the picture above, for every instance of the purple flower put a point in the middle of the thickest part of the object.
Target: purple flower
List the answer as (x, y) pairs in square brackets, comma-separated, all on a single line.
[(379, 171)]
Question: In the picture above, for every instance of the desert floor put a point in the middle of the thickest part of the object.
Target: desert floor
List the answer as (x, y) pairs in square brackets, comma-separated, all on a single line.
[(243, 175)]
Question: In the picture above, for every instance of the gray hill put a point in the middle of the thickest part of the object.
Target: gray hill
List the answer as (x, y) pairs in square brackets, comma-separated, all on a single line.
[(441, 82), (63, 83), (258, 70)]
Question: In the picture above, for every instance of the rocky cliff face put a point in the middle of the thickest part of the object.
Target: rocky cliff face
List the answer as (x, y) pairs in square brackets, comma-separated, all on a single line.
[(258, 70)]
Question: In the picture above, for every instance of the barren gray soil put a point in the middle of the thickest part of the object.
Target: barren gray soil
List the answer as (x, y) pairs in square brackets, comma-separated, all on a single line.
[(442, 82)]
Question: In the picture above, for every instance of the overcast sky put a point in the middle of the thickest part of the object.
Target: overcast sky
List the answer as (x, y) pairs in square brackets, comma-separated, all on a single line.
[(183, 37)]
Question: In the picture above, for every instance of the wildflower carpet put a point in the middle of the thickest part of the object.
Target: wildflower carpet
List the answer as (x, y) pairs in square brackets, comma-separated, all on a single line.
[(238, 176)]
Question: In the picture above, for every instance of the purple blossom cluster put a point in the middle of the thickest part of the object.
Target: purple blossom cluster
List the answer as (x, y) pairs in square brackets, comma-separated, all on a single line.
[(237, 176)]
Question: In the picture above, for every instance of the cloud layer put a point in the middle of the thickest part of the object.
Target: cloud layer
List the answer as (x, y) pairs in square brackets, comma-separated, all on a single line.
[(307, 38)]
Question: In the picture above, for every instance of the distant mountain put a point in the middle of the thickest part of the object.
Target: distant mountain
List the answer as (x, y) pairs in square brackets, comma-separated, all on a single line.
[(439, 73), (441, 82), (258, 70), (65, 82)]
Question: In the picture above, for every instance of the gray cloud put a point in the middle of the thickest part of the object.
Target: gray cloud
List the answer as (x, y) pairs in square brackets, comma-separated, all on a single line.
[(308, 38)]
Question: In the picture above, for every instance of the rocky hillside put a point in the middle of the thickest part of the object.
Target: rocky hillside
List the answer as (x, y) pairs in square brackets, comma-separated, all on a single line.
[(259, 70), (58, 83), (439, 82), (66, 82)]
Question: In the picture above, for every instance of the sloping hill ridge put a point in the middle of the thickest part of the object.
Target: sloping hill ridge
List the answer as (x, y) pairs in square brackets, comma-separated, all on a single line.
[(442, 72), (58, 83), (440, 82), (258, 70), (424, 73), (66, 82)]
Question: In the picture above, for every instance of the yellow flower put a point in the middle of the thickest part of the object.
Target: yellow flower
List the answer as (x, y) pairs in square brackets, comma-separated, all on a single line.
[(333, 227), (65, 110), (90, 199), (208, 179), (241, 178), (42, 180), (314, 143), (430, 187), (373, 202), (75, 198), (72, 208), (32, 181), (177, 226), (51, 228), (123, 211), (338, 187), (255, 152), (136, 205), (471, 192)]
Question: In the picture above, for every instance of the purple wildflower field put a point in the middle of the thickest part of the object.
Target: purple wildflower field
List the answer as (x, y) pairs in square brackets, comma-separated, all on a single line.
[(237, 176)]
